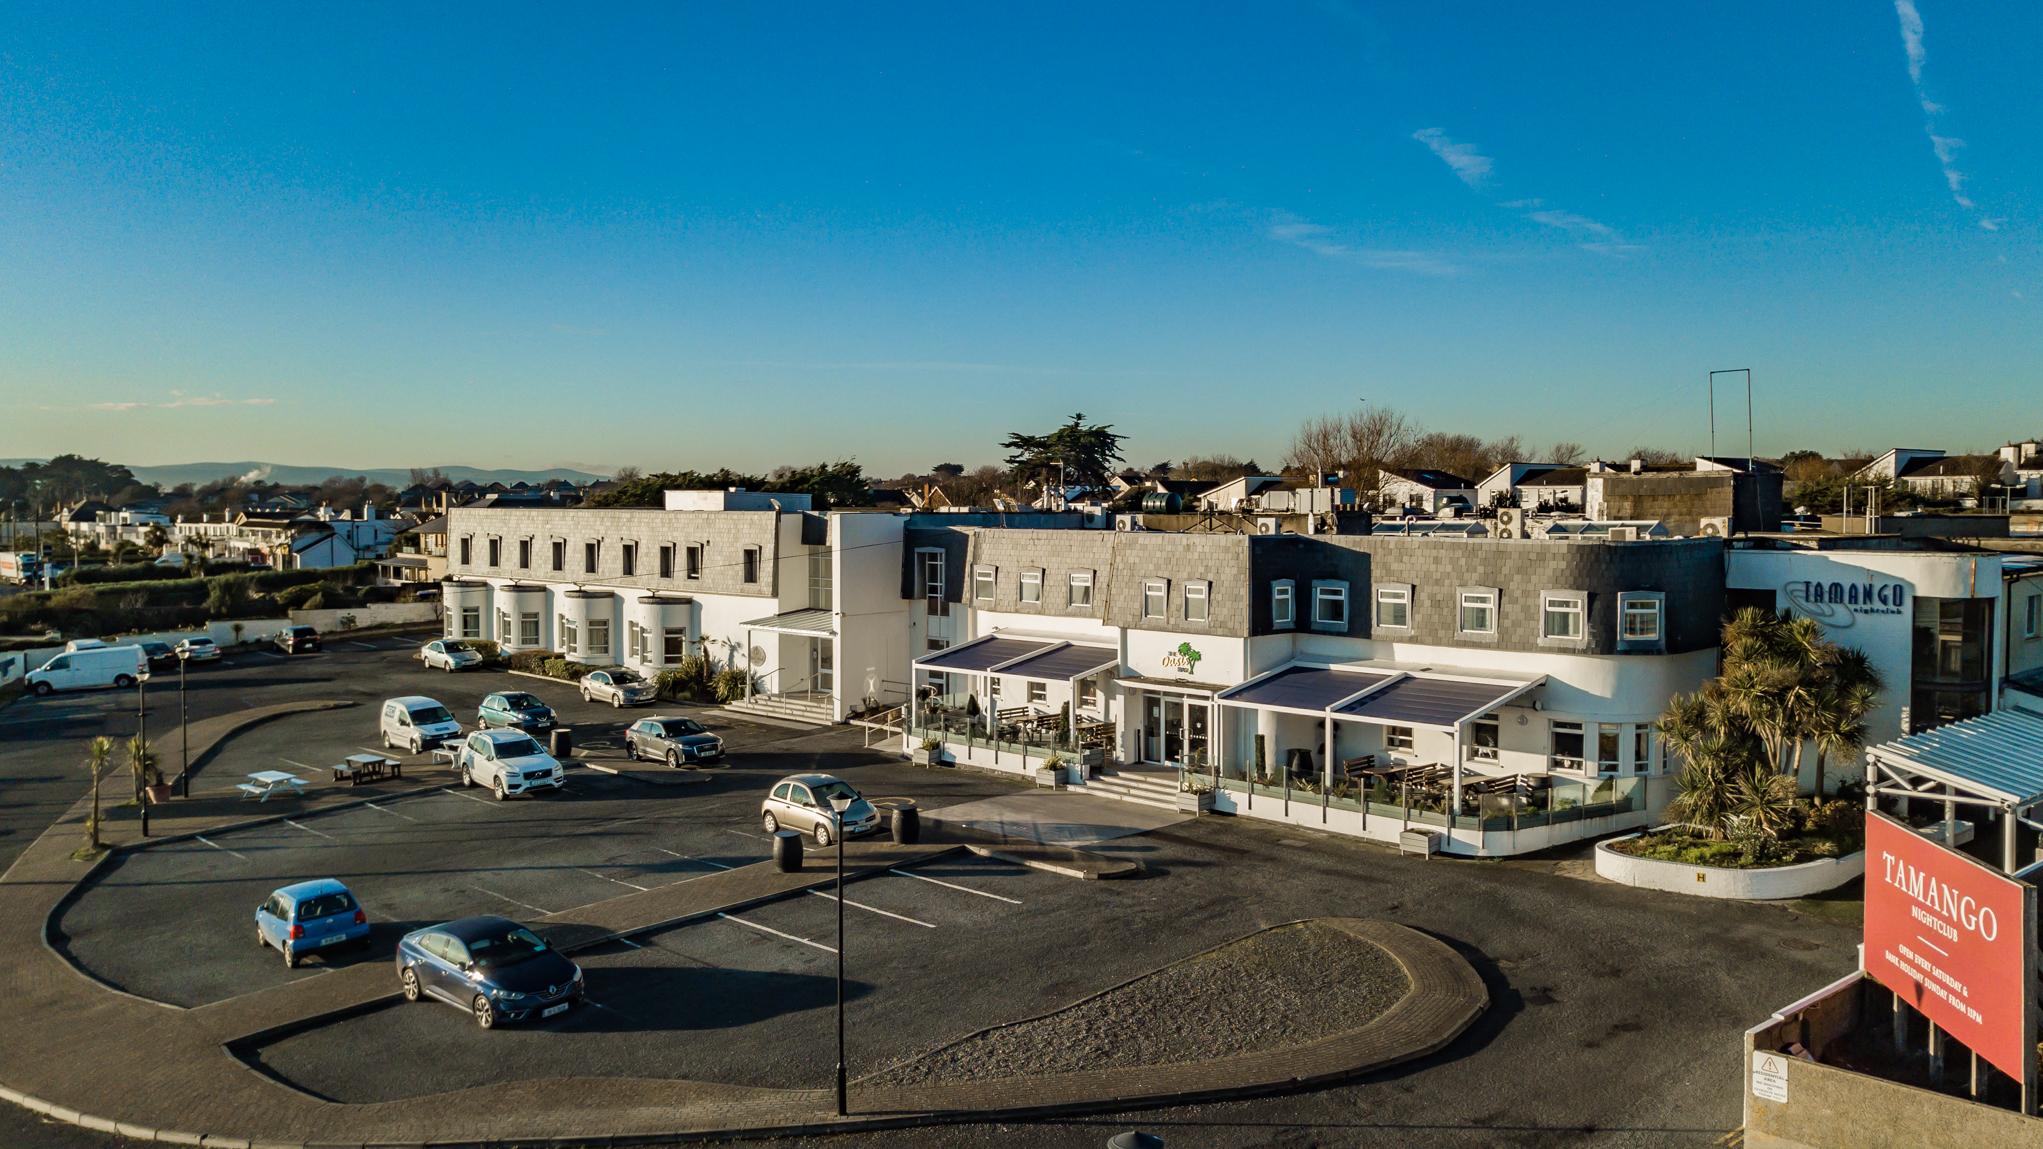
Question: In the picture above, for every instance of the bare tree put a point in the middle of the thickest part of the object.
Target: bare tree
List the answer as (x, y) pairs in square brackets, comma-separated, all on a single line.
[(1566, 453), (1360, 445)]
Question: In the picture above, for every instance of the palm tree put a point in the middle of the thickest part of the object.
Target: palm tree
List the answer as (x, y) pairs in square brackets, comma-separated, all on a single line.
[(97, 754), (1848, 693)]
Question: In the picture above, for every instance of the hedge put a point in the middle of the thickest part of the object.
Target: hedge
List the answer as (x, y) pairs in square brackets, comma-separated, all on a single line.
[(157, 603)]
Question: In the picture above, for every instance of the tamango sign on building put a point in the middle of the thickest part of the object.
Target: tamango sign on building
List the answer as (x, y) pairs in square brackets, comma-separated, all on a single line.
[(1947, 934)]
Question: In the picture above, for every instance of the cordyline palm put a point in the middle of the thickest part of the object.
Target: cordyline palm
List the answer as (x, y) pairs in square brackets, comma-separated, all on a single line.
[(1704, 732), (1846, 695), (97, 754)]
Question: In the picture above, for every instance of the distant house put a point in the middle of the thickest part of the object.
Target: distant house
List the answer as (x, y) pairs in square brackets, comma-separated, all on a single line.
[(1932, 474), (418, 554), (1425, 490), (2026, 460), (1235, 493)]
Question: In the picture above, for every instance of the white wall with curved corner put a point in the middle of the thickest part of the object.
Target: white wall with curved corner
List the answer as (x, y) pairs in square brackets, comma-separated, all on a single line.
[(1770, 883)]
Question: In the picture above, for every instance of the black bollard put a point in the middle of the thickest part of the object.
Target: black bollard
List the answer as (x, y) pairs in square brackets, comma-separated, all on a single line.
[(787, 851), (906, 824)]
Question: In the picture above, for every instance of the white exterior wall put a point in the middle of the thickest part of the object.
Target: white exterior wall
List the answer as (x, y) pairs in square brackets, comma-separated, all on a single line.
[(867, 611)]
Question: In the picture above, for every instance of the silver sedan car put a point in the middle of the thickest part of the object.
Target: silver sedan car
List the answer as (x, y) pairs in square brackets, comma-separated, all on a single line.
[(802, 802), (618, 686)]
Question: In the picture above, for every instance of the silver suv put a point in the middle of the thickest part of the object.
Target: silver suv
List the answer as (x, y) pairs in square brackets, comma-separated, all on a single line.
[(802, 802)]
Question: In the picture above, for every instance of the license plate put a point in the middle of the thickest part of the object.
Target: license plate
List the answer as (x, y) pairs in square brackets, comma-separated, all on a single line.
[(550, 1010)]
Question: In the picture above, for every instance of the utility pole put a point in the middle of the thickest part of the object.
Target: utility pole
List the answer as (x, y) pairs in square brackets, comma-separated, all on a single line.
[(838, 805)]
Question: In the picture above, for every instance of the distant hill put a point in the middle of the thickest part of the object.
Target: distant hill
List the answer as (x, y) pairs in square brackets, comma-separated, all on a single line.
[(291, 474)]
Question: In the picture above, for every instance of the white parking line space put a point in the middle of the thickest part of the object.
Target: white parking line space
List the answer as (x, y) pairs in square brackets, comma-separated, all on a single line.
[(219, 847), (294, 824), (608, 878), (954, 886), (876, 910), (389, 811), (470, 797), (776, 933), (298, 764), (512, 900), (364, 645), (270, 654), (747, 834), (693, 858)]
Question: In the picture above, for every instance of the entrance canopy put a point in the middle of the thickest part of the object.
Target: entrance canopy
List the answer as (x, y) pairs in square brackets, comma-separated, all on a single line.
[(809, 620), (1440, 702), (1997, 757), (1383, 694)]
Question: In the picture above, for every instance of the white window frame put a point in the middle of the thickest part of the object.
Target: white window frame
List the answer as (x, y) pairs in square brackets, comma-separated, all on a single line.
[(1614, 764), (1403, 738), (1641, 604), (1283, 604), (1394, 596), (1563, 602), (532, 617), (1088, 694), (1488, 753), (1483, 599), (471, 622), (1156, 590), (568, 633), (1038, 693), (1642, 749), (599, 627), (673, 645), (691, 568), (751, 563), (525, 554), (666, 567), (1573, 765), (930, 571), (2032, 616), (985, 583), (1078, 589), (634, 639), (1032, 586), (1329, 592), (1200, 593), (592, 556)]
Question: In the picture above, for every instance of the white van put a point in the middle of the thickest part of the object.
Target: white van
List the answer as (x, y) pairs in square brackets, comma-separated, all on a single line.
[(85, 644), (417, 723), (89, 668)]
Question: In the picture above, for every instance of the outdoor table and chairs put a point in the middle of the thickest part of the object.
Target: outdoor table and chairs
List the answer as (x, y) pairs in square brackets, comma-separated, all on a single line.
[(356, 769), (262, 784)]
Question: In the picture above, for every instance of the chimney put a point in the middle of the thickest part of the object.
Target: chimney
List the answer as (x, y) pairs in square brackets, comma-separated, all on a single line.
[(1638, 466)]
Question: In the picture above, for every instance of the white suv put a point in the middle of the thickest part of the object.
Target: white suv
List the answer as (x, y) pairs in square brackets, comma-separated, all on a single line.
[(508, 762)]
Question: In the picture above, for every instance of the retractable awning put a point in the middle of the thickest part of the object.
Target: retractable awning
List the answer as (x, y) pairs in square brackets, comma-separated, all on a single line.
[(1996, 756), (1063, 663), (809, 620), (982, 655), (1302, 689), (1438, 702)]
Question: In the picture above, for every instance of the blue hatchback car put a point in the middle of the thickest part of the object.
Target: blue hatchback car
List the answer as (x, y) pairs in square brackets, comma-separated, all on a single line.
[(309, 916), (494, 968)]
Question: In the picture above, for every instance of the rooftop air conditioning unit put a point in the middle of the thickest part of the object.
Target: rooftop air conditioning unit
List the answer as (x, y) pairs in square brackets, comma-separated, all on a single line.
[(1510, 522), (1716, 526), (1624, 534), (1267, 525)]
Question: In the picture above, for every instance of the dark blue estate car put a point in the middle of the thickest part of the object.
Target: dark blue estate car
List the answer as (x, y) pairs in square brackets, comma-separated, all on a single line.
[(494, 968)]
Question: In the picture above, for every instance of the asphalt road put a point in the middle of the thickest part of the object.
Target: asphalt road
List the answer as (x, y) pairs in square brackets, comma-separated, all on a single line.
[(1616, 1019)]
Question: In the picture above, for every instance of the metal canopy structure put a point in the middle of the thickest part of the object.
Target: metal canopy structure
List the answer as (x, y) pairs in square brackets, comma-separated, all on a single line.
[(808, 620), (1066, 663), (1302, 689), (1444, 703), (982, 655), (1994, 760)]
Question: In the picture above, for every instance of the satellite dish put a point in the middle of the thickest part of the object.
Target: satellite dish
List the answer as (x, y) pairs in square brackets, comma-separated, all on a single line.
[(758, 654)]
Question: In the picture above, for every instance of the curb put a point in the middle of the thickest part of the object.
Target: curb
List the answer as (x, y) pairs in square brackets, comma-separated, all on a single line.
[(1114, 867)]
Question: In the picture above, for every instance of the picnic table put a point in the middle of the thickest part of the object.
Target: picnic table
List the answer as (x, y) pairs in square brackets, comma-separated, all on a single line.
[(356, 769), (263, 783), (450, 753)]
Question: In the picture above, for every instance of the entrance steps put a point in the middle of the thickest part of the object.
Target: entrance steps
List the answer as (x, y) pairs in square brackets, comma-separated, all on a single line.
[(1155, 788), (785, 708)]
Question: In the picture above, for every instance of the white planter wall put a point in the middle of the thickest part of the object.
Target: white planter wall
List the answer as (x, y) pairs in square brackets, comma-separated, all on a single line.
[(1773, 882)]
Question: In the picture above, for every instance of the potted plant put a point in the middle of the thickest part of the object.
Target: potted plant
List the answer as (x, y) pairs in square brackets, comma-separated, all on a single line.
[(148, 778), (930, 753), (1051, 772), (1195, 795)]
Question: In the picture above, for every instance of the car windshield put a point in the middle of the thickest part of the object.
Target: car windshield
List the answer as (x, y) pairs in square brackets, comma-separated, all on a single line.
[(683, 726), (523, 702), (625, 677), (833, 789), (325, 906), (516, 747), (458, 647), (156, 647), (431, 715), (198, 642), (520, 944)]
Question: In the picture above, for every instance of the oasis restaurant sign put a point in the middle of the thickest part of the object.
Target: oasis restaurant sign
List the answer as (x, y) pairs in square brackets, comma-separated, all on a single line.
[(1949, 935)]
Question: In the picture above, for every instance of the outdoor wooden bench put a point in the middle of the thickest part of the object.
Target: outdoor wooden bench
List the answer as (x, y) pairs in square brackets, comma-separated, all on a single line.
[(250, 789)]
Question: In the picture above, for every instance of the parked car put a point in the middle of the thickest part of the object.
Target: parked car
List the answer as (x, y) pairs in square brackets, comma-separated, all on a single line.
[(618, 686), (802, 802), (672, 740), (161, 655), (508, 762), (516, 709), (308, 916), (450, 655), (297, 639), (93, 667), (494, 968), (198, 649), (417, 723), (174, 559)]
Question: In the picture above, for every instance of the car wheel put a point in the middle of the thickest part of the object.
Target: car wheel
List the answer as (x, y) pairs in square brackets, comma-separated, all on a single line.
[(822, 833), (260, 940), (770, 824), (417, 745), (585, 696), (409, 979), (124, 680), (290, 957), (386, 740), (673, 759), (43, 689), (617, 702), (467, 779), (485, 1013), (496, 786)]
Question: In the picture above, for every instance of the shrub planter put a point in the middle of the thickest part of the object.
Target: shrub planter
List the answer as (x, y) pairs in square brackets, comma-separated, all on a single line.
[(1199, 803), (927, 757), (158, 793), (1747, 883), (1051, 776)]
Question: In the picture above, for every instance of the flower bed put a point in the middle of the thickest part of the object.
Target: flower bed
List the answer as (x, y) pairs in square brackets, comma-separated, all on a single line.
[(1617, 861), (1676, 844)]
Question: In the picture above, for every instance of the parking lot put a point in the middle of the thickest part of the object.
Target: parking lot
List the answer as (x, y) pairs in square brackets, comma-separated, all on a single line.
[(1602, 986)]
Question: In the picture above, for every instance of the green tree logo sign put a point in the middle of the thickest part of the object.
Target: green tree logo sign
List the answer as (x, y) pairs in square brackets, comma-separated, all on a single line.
[(1183, 660)]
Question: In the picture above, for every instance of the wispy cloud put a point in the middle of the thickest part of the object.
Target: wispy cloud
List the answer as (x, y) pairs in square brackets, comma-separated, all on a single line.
[(1590, 235), (177, 399), (1324, 241), (1944, 147), (1470, 165), (905, 366)]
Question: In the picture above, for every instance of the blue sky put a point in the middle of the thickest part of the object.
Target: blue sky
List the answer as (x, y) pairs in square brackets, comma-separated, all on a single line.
[(725, 234)]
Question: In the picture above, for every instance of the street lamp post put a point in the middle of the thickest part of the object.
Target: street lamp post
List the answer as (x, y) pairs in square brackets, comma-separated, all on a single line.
[(142, 740), (839, 803), (184, 724)]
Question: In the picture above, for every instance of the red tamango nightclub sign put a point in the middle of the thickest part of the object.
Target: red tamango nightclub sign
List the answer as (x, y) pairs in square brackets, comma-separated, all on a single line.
[(1947, 934)]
